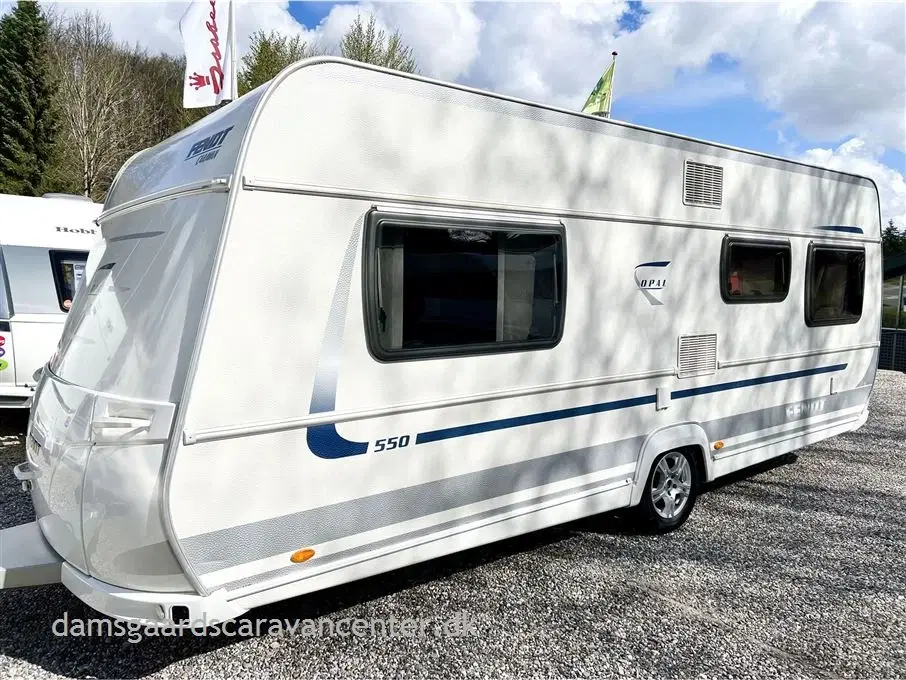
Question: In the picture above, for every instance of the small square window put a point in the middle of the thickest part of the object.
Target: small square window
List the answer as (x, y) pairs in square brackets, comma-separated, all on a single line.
[(755, 271), (69, 274), (835, 283)]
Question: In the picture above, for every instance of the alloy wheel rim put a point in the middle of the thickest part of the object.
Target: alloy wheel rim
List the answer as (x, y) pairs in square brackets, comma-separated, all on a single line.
[(671, 485)]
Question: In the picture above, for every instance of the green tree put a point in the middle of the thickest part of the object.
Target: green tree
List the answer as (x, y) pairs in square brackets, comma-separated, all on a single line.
[(27, 125), (893, 241), (365, 42), (270, 53)]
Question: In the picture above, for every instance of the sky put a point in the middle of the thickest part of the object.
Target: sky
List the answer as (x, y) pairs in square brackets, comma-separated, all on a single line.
[(823, 82)]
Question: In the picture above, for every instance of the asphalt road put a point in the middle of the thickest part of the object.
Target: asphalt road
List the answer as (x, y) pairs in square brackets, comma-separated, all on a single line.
[(791, 570)]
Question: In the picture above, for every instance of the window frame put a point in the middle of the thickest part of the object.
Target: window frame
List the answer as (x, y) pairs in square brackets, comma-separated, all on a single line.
[(809, 264), (730, 241), (376, 219), (57, 257)]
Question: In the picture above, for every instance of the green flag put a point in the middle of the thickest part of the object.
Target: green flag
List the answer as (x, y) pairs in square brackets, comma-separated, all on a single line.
[(601, 98)]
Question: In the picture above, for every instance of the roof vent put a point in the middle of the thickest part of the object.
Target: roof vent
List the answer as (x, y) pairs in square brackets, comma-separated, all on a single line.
[(703, 185), (697, 355)]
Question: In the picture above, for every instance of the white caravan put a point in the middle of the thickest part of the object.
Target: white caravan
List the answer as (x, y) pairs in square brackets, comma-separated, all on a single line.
[(44, 243), (359, 319)]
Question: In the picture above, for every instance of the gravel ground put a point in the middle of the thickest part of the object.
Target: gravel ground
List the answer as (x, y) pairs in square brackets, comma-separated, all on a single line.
[(788, 570)]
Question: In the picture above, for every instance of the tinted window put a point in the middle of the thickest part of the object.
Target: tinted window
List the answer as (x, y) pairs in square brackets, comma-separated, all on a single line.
[(755, 272), (836, 279), (69, 274), (448, 290)]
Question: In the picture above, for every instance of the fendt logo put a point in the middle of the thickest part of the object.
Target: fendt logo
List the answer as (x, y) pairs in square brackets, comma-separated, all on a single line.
[(70, 230), (651, 279), (804, 409), (208, 147)]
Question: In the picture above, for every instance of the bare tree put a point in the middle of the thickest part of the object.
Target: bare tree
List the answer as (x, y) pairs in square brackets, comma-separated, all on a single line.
[(365, 42), (104, 114)]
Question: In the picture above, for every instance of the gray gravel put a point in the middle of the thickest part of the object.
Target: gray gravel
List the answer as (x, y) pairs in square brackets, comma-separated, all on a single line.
[(790, 570)]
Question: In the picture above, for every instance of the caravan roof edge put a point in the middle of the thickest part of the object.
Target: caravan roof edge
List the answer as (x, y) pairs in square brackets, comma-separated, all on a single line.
[(314, 61)]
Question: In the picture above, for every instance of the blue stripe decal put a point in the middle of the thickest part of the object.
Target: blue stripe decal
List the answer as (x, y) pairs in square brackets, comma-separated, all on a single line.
[(506, 423), (548, 416), (848, 230), (653, 264), (736, 384)]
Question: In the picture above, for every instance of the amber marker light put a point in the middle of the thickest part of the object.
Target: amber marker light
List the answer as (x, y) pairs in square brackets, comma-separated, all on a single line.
[(718, 445), (302, 555)]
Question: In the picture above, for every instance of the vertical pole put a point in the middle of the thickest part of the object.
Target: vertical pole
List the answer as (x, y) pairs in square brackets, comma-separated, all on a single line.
[(896, 333), (234, 75), (613, 76)]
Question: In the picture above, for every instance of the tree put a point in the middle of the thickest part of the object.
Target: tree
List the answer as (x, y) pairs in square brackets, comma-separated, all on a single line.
[(893, 241), (106, 111), (366, 43), (270, 53), (27, 123)]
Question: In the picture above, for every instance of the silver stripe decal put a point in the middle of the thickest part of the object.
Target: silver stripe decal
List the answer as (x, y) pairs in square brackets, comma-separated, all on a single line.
[(273, 536), (603, 484), (755, 421), (777, 437)]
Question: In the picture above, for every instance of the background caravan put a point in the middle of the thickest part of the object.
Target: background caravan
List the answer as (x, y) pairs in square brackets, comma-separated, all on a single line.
[(43, 246), (507, 316)]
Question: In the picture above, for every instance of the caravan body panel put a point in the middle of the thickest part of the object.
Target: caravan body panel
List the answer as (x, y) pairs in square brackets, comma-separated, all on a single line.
[(540, 435)]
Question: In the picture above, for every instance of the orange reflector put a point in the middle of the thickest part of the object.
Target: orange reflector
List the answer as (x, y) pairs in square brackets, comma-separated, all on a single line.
[(718, 446), (302, 555)]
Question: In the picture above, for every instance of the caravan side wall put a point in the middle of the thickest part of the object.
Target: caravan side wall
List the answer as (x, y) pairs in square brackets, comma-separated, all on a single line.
[(298, 413)]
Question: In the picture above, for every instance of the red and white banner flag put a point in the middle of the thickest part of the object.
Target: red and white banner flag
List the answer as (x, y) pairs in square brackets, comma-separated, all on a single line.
[(207, 37)]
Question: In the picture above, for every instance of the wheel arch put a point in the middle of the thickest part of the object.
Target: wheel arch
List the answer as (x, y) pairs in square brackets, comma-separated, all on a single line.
[(668, 438)]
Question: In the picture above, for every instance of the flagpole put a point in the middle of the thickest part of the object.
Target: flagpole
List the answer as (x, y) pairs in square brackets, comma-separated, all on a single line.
[(613, 76), (234, 74)]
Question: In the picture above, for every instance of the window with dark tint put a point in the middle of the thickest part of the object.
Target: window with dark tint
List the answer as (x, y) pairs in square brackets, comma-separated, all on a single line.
[(451, 289), (834, 286), (755, 271), (68, 274)]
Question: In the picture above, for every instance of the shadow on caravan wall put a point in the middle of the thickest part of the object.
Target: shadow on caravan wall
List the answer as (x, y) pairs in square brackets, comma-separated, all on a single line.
[(459, 338), (44, 243)]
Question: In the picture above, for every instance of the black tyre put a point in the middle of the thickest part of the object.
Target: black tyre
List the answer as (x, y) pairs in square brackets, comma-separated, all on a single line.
[(670, 492)]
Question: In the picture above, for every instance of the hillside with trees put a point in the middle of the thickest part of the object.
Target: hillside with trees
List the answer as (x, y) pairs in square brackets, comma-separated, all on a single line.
[(75, 103)]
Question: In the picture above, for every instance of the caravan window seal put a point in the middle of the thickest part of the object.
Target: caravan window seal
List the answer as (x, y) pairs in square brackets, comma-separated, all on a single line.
[(813, 247), (730, 241), (376, 219)]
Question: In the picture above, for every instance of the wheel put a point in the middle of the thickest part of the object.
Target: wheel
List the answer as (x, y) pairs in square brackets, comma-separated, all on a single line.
[(670, 492)]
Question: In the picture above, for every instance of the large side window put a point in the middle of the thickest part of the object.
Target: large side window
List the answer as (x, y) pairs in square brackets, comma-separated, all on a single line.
[(445, 288), (835, 282), (755, 271)]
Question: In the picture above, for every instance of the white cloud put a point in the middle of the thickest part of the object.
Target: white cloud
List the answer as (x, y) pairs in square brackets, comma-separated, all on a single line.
[(859, 157), (831, 70)]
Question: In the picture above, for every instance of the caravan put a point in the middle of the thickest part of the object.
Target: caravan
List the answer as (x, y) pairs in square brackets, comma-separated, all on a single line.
[(44, 243), (326, 340)]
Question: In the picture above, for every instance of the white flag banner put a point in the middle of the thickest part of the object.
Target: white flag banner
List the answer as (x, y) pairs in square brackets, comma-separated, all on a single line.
[(207, 39)]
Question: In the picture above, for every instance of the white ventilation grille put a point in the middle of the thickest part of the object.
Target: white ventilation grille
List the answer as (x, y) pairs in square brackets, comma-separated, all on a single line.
[(703, 185), (697, 355)]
